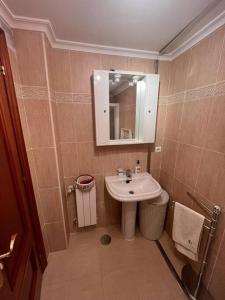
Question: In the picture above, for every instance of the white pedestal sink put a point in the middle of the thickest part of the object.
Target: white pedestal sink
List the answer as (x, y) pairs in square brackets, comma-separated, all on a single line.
[(142, 187), (129, 219)]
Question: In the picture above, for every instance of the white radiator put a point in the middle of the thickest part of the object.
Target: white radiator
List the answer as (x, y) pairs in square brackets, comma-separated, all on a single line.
[(86, 207)]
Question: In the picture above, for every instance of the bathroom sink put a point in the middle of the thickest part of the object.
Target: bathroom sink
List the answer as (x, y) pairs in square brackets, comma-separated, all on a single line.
[(142, 187)]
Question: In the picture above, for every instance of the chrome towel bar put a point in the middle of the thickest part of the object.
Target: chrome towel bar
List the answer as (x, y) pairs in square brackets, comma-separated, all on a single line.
[(214, 212)]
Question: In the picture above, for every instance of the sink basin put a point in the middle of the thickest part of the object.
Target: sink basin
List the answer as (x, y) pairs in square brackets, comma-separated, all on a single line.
[(142, 187)]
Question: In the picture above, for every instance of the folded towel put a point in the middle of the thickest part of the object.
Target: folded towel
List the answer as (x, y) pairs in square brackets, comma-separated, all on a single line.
[(187, 230)]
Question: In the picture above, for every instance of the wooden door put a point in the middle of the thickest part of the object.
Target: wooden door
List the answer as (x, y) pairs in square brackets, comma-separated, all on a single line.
[(21, 271)]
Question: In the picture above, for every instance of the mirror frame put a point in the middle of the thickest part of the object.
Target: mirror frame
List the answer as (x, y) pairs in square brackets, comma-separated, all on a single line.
[(146, 108)]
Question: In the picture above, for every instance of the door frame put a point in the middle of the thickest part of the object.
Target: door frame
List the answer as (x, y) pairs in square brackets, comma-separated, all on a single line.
[(116, 110), (13, 107)]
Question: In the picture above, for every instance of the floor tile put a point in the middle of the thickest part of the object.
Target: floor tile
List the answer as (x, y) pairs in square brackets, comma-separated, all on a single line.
[(122, 270)]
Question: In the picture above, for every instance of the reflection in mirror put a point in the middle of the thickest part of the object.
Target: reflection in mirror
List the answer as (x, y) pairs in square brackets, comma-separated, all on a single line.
[(122, 105), (125, 107)]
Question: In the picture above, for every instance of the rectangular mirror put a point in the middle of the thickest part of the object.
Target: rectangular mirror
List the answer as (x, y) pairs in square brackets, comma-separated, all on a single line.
[(122, 106), (125, 107)]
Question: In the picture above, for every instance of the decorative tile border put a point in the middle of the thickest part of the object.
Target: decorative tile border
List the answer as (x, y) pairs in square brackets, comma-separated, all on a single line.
[(200, 93), (72, 97), (41, 93), (52, 95), (176, 98), (63, 97), (220, 89), (217, 89), (34, 92), (163, 100), (18, 90), (83, 98)]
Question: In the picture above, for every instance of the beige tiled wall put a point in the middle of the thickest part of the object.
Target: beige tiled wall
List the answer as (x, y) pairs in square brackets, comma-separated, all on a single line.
[(27, 138), (57, 113), (193, 143), (31, 82), (75, 111), (58, 123), (72, 84), (56, 126)]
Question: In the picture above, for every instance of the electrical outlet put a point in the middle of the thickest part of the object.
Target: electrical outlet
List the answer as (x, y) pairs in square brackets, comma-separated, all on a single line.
[(158, 148)]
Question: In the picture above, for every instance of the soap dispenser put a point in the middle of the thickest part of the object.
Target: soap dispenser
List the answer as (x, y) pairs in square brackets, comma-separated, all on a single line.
[(138, 167)]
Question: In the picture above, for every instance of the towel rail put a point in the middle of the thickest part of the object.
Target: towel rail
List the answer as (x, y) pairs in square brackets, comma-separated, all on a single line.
[(215, 212), (204, 225), (215, 218), (209, 211)]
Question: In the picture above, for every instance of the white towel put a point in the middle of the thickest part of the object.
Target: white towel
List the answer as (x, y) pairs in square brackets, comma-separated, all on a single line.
[(187, 230)]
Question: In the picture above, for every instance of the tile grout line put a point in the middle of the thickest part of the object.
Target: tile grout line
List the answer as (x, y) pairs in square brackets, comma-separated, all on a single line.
[(181, 120), (74, 129), (164, 129), (53, 133)]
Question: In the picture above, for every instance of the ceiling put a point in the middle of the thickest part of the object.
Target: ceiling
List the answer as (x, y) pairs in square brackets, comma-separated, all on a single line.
[(135, 24)]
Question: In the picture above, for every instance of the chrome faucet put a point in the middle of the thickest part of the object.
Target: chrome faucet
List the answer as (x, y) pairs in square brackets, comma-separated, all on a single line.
[(129, 174)]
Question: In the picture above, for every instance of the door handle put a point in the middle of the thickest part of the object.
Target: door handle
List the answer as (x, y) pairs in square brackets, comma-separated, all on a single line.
[(5, 255), (1, 275), (11, 247)]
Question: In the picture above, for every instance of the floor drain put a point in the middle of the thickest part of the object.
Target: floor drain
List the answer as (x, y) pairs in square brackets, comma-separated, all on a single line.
[(105, 239), (131, 192)]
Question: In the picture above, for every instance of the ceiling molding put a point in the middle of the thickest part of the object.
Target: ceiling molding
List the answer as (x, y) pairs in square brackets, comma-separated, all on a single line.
[(6, 14), (46, 27), (5, 23), (25, 23), (205, 31), (94, 48), (12, 21)]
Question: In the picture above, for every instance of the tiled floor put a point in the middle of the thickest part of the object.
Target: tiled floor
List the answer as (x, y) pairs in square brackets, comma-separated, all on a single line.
[(123, 270)]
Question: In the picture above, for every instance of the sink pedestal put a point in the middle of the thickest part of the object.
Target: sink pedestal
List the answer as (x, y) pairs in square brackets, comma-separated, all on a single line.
[(142, 187), (129, 219)]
